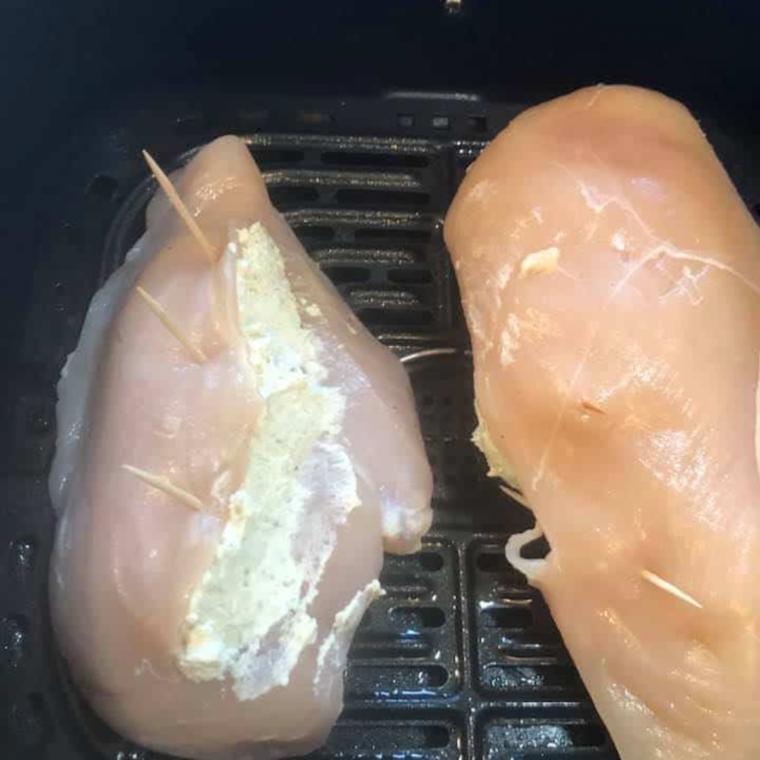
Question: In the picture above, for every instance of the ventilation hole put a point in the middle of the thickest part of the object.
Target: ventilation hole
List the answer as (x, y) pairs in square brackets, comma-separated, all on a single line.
[(314, 118), (494, 563), (344, 274), (29, 722), (440, 122), (504, 738), (508, 618), (404, 586), (508, 677), (587, 735), (410, 276), (368, 255), (410, 645), (266, 157), (367, 197), (14, 631), (282, 196), (190, 125), (437, 736), (533, 652), (23, 555), (387, 739), (102, 187), (427, 401), (431, 561), (422, 236), (434, 676), (396, 317), (345, 158), (386, 298), (314, 232), (477, 124), (382, 680), (415, 618), (405, 120)]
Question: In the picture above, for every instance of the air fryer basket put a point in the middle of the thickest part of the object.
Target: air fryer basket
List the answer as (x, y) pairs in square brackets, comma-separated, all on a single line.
[(461, 659)]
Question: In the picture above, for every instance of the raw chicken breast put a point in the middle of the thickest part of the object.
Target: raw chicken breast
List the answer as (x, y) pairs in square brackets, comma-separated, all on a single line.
[(225, 490), (610, 275)]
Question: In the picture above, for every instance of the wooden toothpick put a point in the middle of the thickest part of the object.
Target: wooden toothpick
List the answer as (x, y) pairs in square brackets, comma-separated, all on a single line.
[(172, 326), (668, 587), (165, 485), (180, 207), (590, 407)]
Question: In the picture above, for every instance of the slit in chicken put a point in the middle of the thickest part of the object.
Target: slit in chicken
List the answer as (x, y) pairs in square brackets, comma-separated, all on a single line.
[(180, 207), (165, 485), (172, 326)]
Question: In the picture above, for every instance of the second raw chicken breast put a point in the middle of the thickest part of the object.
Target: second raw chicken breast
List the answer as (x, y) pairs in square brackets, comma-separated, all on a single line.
[(610, 275)]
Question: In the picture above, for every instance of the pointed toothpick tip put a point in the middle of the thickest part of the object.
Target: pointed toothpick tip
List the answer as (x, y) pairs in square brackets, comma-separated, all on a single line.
[(179, 206), (513, 493), (172, 326), (670, 588), (165, 485)]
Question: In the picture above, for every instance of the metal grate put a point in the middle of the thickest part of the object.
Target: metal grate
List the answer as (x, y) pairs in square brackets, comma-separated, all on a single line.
[(461, 658)]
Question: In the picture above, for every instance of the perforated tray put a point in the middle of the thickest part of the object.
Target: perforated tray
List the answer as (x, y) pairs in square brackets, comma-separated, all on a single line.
[(461, 658)]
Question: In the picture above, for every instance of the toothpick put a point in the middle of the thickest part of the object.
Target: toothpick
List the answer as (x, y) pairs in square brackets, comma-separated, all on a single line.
[(180, 207), (589, 407), (172, 326), (661, 583), (165, 485)]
